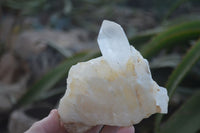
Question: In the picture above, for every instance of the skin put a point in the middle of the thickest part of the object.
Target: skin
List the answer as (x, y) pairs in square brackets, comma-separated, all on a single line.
[(52, 124)]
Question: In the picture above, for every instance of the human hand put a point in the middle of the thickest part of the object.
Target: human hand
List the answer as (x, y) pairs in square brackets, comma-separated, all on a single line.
[(52, 124)]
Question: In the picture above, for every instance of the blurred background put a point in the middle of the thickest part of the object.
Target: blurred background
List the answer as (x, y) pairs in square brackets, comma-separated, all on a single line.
[(41, 39)]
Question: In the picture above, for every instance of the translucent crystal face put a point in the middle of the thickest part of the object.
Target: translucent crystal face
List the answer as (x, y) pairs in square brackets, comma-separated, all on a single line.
[(114, 44)]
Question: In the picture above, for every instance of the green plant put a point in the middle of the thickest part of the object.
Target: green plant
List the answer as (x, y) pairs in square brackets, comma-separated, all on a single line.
[(175, 35), (186, 119), (192, 56)]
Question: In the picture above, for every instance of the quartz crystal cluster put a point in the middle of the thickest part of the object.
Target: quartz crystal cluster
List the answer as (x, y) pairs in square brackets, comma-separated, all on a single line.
[(114, 89)]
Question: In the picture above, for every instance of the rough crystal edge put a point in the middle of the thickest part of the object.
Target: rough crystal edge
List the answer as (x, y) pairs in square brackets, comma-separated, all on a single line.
[(162, 100)]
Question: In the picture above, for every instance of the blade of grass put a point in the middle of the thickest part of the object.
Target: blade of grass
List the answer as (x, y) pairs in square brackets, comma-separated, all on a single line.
[(177, 34), (192, 56), (186, 119), (52, 77), (144, 37), (182, 18)]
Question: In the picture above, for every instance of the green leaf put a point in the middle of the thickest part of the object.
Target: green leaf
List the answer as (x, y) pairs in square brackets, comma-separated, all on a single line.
[(175, 35), (192, 56), (186, 119), (51, 78), (144, 37), (180, 19)]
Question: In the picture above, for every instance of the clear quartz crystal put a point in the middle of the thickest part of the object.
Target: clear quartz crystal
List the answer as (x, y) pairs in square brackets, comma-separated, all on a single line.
[(114, 44)]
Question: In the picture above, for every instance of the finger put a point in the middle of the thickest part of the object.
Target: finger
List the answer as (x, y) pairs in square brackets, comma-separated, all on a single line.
[(109, 129), (126, 130), (95, 129), (50, 124)]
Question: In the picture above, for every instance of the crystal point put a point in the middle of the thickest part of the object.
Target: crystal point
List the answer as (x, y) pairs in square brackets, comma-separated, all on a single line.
[(114, 44)]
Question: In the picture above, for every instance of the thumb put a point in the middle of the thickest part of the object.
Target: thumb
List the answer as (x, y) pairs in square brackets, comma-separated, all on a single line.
[(50, 124)]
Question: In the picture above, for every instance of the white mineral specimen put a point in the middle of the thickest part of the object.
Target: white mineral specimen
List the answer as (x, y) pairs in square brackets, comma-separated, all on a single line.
[(114, 89)]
